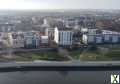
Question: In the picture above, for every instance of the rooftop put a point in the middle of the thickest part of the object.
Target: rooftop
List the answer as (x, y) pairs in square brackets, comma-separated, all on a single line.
[(65, 28), (44, 37), (109, 32)]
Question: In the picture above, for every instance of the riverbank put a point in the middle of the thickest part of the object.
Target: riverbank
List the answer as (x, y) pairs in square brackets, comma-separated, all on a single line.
[(96, 53)]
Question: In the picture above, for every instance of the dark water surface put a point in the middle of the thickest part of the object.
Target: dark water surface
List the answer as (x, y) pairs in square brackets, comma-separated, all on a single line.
[(57, 77)]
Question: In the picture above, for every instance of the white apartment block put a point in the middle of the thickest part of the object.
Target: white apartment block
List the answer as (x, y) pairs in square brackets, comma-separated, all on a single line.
[(104, 37), (63, 36)]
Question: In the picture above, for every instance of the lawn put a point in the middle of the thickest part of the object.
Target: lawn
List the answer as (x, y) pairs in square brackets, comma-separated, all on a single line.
[(114, 54), (30, 56), (96, 54), (91, 54), (75, 54)]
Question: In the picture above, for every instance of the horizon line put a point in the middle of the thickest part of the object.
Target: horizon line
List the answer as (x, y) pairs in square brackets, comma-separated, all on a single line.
[(61, 9)]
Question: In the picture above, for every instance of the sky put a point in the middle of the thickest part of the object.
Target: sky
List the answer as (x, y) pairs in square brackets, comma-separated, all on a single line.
[(59, 4)]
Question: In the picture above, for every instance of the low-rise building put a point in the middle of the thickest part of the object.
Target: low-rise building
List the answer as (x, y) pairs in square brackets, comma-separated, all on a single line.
[(50, 33), (88, 39), (111, 36), (17, 40), (77, 37), (44, 40), (1, 40), (103, 37), (99, 39), (31, 39), (115, 38), (89, 30)]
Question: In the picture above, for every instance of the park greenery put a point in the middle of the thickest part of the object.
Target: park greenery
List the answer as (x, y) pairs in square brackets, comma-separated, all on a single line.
[(37, 55), (93, 53)]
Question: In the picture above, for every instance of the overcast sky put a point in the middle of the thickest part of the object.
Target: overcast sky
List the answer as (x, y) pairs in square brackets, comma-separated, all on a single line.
[(59, 4)]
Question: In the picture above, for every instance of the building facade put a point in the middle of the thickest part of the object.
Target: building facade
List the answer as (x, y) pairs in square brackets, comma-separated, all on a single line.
[(44, 40), (103, 37), (31, 39), (17, 40), (63, 36)]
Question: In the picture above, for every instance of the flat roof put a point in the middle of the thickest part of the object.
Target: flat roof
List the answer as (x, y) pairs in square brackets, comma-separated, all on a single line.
[(44, 37), (65, 28)]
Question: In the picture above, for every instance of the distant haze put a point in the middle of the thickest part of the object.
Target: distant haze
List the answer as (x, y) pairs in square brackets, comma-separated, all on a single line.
[(59, 4)]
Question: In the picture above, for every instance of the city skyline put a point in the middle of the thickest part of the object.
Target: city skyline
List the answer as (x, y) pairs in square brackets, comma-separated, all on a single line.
[(61, 4)]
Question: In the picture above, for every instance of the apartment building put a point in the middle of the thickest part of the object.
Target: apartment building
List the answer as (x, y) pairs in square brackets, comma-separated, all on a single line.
[(105, 36), (63, 36)]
